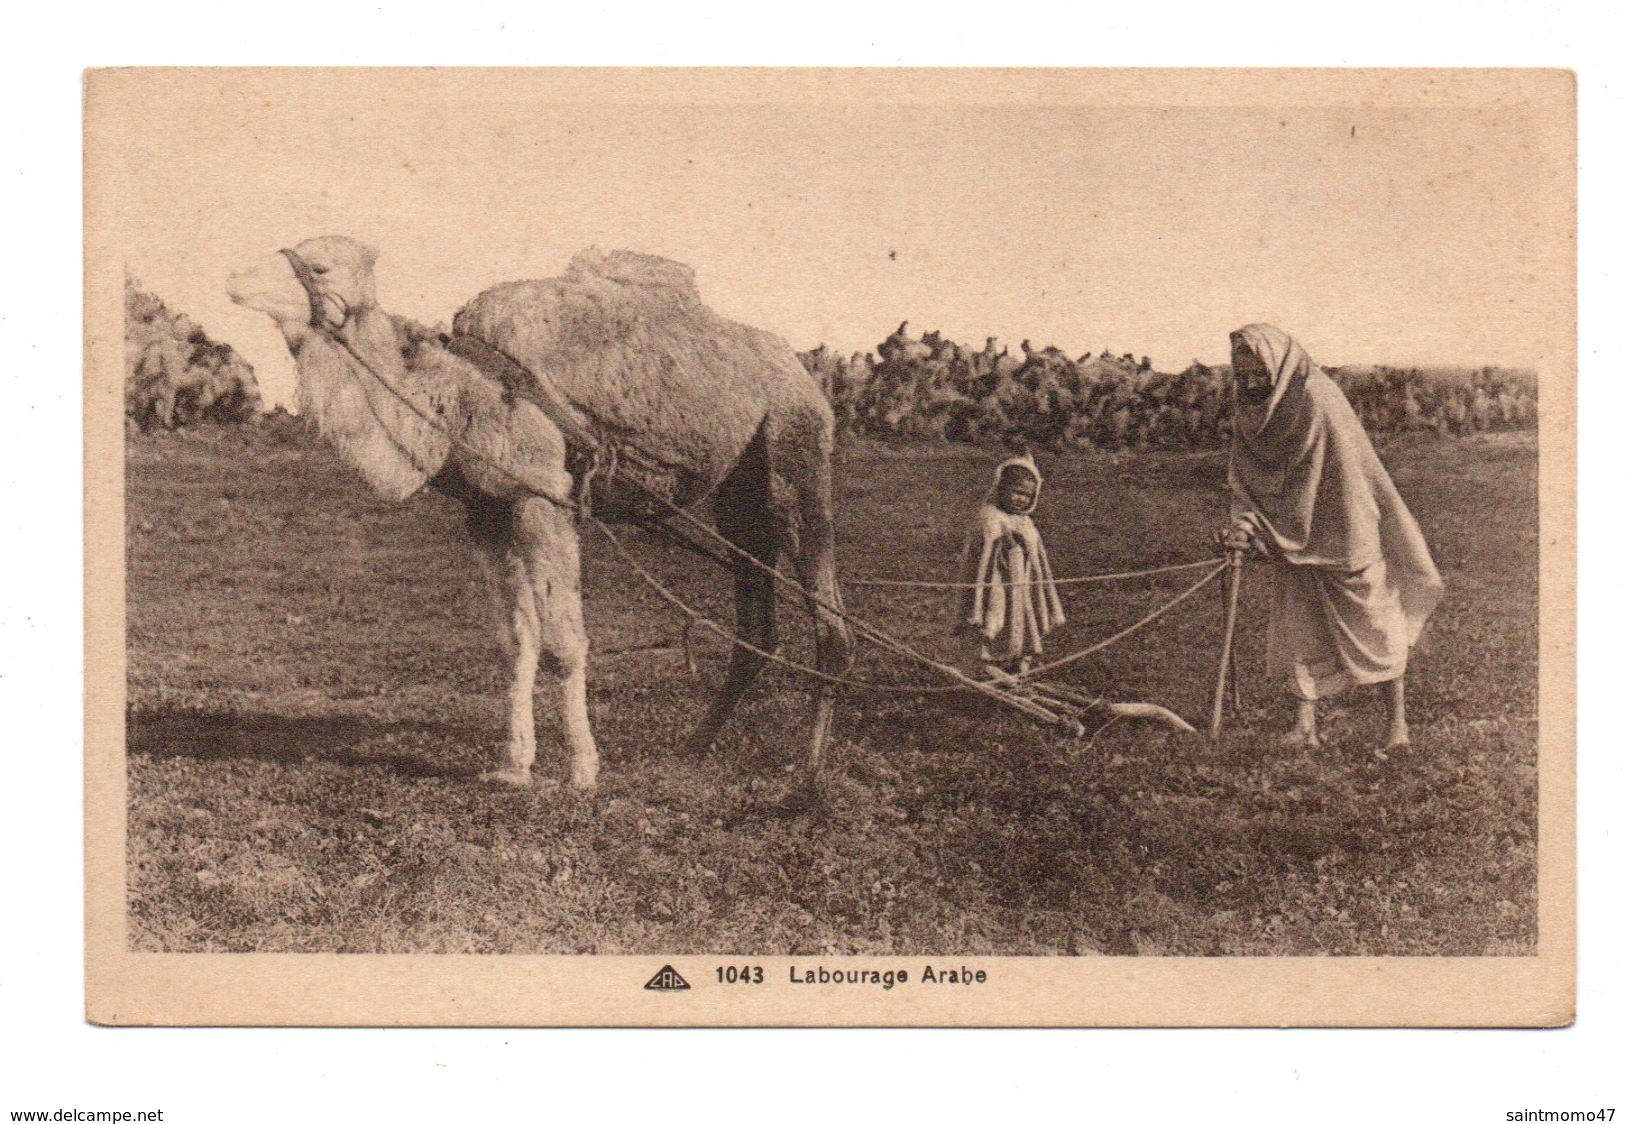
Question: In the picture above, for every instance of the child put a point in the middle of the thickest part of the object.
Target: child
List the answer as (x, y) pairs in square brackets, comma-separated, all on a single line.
[(1010, 601)]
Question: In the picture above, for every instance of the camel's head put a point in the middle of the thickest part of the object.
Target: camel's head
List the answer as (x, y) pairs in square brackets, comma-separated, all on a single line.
[(338, 269)]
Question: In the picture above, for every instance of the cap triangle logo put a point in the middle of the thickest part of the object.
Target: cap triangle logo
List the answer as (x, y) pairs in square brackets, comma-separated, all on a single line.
[(666, 979)]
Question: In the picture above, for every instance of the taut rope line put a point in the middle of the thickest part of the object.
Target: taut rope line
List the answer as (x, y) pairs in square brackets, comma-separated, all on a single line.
[(1122, 575), (654, 583)]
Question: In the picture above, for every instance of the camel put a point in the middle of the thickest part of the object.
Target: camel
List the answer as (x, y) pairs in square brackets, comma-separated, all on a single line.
[(742, 425)]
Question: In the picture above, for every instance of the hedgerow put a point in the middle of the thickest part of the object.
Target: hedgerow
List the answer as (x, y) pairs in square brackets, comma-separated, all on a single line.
[(933, 389)]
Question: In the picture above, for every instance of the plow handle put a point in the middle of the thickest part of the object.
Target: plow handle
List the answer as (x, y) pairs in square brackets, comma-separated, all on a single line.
[(1231, 601)]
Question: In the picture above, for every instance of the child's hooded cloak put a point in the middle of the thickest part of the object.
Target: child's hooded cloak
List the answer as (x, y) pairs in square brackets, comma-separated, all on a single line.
[(1011, 599)]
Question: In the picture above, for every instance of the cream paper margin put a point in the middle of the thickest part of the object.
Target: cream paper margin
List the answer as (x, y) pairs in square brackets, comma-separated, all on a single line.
[(135, 988)]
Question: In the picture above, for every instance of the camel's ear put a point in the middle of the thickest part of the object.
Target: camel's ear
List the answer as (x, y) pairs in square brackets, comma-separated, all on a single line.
[(369, 256)]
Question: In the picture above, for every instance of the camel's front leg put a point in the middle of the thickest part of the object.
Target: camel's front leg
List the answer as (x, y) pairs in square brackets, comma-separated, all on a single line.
[(746, 519), (806, 466), (815, 568), (519, 628), (553, 560)]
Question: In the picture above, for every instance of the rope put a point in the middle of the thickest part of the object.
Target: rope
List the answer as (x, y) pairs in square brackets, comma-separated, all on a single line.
[(676, 602), (873, 634), (1218, 568), (896, 645), (439, 424), (899, 648), (1123, 575)]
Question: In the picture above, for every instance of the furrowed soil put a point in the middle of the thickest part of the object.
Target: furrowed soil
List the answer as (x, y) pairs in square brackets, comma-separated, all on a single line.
[(313, 683)]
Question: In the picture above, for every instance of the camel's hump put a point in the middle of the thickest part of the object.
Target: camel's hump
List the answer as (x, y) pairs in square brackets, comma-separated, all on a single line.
[(598, 297), (621, 307), (624, 339), (631, 268)]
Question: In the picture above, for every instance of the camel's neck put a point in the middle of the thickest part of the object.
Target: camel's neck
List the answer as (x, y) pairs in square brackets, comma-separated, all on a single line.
[(384, 415)]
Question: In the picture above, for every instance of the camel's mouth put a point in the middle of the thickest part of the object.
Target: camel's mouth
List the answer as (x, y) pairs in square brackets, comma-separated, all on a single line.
[(269, 287), (237, 288)]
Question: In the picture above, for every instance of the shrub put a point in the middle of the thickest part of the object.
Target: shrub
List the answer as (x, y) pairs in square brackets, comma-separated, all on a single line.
[(933, 389), (175, 375)]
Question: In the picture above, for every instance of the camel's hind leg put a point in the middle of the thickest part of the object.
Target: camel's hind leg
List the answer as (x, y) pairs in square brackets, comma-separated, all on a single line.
[(744, 517), (802, 462)]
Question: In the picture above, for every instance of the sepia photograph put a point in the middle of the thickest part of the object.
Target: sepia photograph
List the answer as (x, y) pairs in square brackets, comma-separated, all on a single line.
[(804, 547)]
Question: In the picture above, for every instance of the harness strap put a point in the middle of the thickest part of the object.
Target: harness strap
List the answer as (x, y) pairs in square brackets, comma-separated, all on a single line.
[(518, 382), (306, 277), (585, 450), (591, 452)]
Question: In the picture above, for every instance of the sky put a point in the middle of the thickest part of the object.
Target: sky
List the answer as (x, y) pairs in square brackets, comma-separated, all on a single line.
[(1372, 232)]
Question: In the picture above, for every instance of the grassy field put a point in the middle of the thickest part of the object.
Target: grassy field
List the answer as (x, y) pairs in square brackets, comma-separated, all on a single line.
[(312, 685)]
